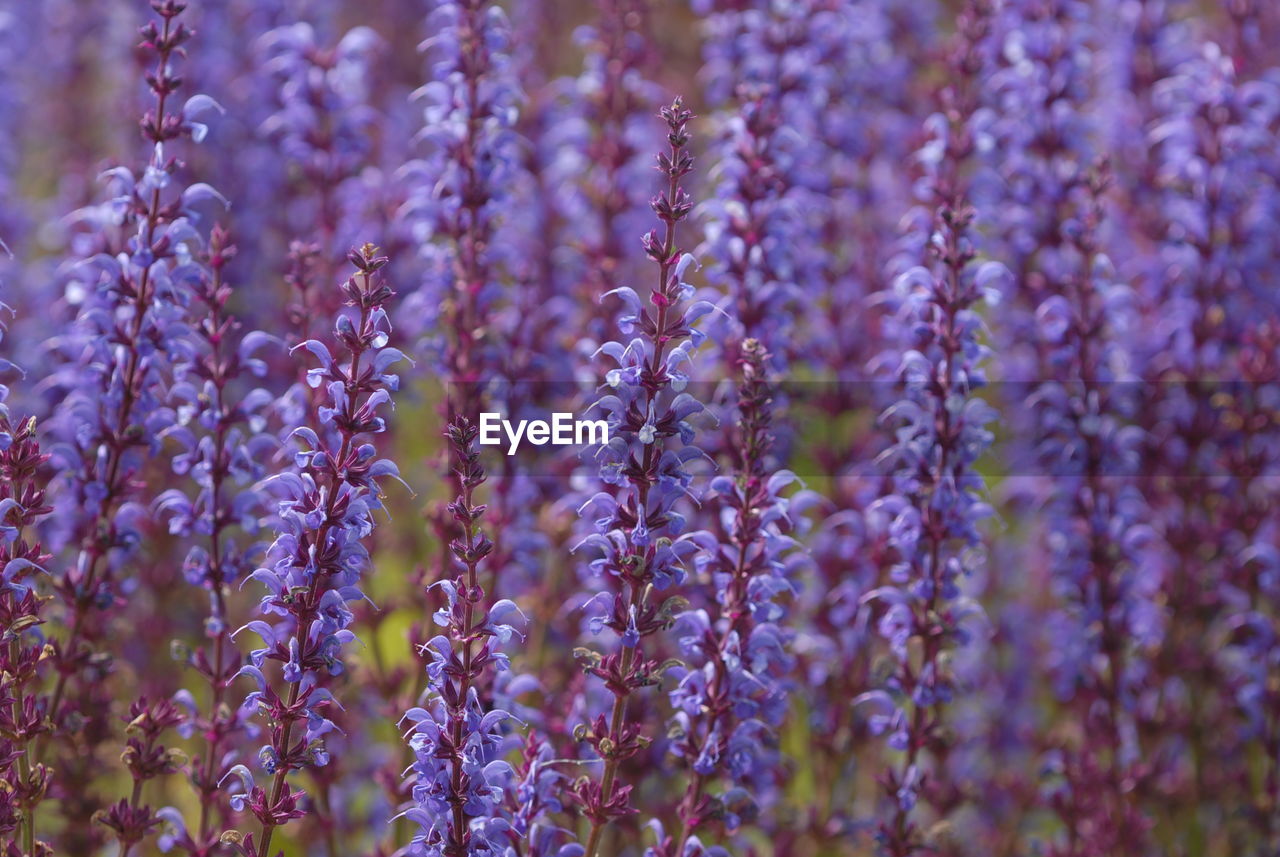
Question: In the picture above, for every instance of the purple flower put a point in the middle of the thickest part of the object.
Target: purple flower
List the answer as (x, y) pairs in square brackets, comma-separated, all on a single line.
[(935, 501), (1205, 293), (462, 787), (23, 705), (458, 195), (756, 235), (12, 56), (642, 548), (118, 358), (220, 431), (1107, 568), (325, 512), (732, 657), (324, 126), (469, 209), (732, 692), (603, 135)]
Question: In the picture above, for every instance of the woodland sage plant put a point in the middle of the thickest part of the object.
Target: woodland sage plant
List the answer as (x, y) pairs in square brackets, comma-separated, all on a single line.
[(901, 481)]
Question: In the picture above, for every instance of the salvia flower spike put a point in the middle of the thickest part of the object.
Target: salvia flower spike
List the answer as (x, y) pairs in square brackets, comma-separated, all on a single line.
[(639, 541), (316, 564)]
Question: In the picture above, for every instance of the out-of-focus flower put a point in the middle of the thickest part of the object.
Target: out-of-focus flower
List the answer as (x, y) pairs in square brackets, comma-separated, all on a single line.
[(1208, 281), (1106, 566), (458, 193), (324, 126), (219, 431), (604, 136), (756, 235), (935, 504), (732, 692), (117, 365)]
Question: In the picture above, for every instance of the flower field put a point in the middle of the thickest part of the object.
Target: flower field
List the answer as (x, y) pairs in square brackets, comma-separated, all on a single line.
[(639, 428)]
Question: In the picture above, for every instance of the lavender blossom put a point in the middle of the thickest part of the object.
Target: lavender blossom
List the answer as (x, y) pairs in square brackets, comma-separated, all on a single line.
[(1212, 140), (847, 93), (1122, 698), (276, 198), (1061, 327), (136, 296), (458, 207), (1037, 85), (535, 799), (785, 166), (1250, 628), (1141, 44), (317, 560), (764, 230), (940, 429), (12, 56)]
